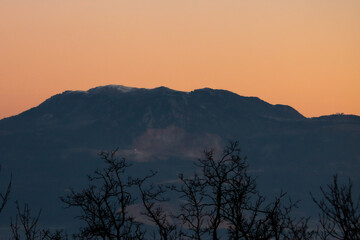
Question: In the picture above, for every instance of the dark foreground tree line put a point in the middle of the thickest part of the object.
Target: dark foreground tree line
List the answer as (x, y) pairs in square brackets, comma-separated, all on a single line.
[(220, 201)]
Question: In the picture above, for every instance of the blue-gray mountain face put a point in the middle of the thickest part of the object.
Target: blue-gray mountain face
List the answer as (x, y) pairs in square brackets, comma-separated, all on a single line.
[(52, 147)]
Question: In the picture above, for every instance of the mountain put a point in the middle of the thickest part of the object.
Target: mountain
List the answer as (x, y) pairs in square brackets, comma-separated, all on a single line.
[(53, 146)]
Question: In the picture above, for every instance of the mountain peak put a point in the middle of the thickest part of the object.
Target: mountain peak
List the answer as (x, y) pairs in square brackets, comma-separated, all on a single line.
[(113, 87)]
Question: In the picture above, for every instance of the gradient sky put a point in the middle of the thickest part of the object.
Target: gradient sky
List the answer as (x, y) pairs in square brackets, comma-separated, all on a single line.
[(303, 53)]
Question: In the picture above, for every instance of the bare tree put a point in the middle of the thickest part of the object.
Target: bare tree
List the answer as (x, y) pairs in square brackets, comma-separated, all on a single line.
[(216, 174), (4, 197), (279, 224), (223, 196), (340, 212), (220, 198), (192, 210), (26, 226), (300, 230), (241, 200), (152, 197), (57, 235), (105, 203)]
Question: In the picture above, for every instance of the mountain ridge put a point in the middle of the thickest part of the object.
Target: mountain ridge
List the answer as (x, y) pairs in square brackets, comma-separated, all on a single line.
[(52, 147), (113, 90)]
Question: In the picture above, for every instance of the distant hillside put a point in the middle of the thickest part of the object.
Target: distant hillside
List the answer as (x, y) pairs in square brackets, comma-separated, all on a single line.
[(53, 146)]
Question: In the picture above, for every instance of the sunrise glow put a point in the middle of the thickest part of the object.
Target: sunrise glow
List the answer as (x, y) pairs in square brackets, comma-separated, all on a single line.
[(303, 53)]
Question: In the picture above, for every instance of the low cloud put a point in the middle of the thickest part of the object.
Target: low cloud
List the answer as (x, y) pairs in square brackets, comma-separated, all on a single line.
[(171, 141)]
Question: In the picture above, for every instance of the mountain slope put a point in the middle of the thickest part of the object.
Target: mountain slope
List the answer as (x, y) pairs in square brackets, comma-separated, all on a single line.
[(53, 146)]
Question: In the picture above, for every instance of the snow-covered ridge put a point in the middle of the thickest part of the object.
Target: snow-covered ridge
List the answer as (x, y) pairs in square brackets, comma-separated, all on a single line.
[(113, 88), (122, 88), (119, 88)]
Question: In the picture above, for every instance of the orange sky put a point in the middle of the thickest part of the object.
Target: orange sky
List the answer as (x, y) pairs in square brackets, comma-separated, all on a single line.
[(303, 53)]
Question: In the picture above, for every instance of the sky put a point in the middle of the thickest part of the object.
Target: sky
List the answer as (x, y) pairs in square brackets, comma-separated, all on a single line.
[(302, 53)]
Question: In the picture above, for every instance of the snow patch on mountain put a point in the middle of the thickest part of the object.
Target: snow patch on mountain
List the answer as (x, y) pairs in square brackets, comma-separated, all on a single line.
[(122, 88), (113, 89)]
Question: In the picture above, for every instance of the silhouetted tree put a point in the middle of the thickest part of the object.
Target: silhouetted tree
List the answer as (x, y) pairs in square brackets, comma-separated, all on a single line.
[(225, 186), (25, 226), (278, 222), (4, 197), (57, 235), (223, 196), (300, 230), (340, 212), (192, 210), (105, 202), (152, 197)]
